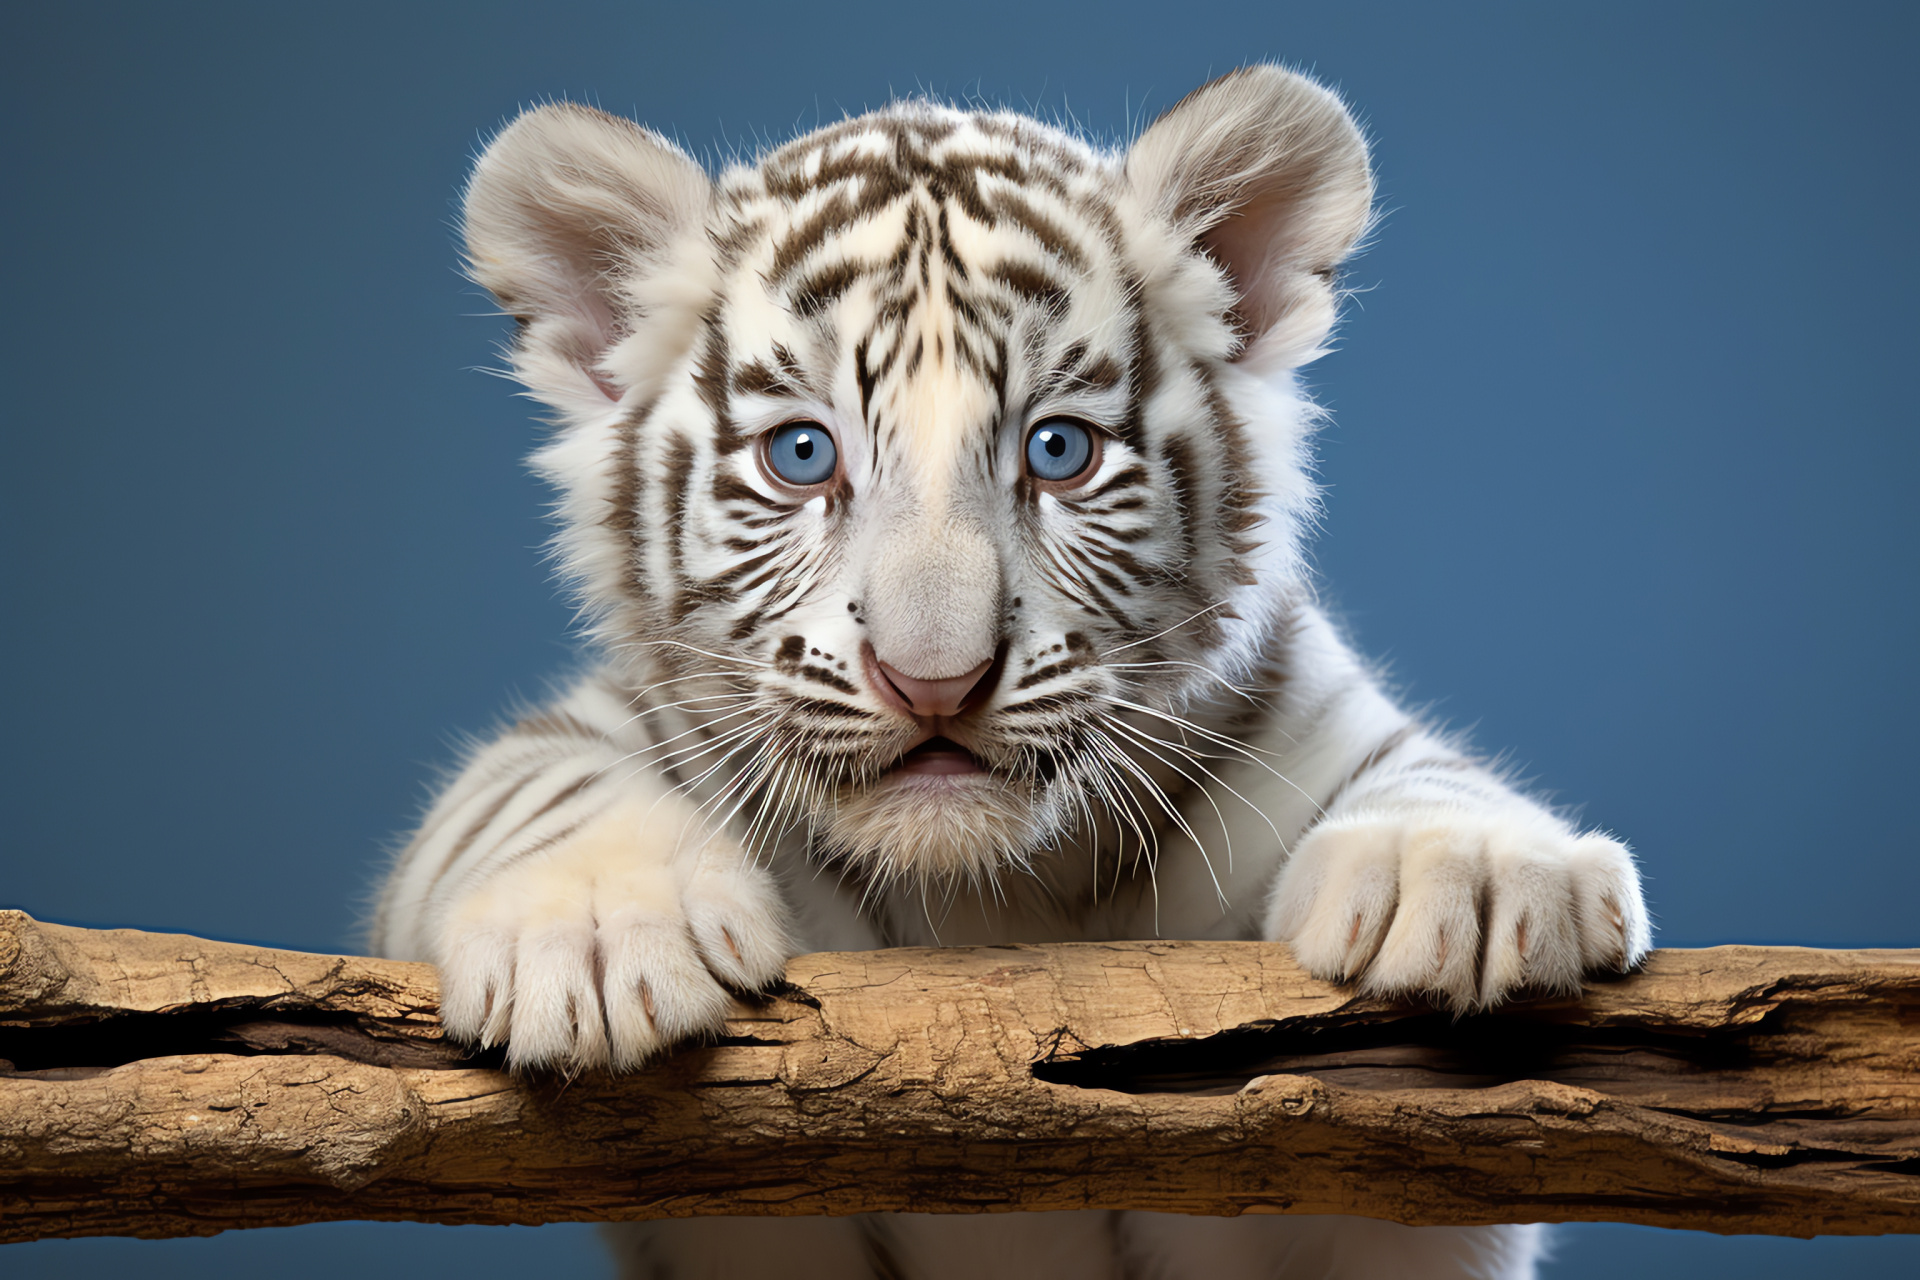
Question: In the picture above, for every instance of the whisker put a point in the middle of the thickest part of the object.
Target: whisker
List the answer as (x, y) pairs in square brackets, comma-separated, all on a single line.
[(742, 782), (697, 675), (1195, 757), (706, 724), (1147, 853), (1160, 797), (1168, 631), (666, 762), (1203, 670), (1246, 752), (1146, 743), (1112, 786), (646, 711), (741, 734), (706, 653)]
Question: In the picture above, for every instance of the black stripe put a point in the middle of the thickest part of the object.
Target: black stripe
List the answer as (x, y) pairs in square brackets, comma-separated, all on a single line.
[(679, 476), (713, 379)]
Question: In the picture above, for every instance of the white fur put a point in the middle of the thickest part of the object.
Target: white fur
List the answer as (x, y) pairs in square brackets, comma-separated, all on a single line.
[(1084, 1245), (928, 284)]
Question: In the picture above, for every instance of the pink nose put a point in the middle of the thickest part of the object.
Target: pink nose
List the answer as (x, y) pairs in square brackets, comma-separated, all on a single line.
[(928, 698)]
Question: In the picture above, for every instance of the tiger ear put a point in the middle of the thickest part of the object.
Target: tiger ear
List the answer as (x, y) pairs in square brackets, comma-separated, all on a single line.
[(1268, 174), (566, 211)]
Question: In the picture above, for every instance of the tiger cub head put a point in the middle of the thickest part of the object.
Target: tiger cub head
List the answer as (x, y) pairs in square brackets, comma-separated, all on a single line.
[(937, 458)]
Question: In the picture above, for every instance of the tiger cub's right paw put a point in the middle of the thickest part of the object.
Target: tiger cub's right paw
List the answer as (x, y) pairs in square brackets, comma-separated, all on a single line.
[(610, 947)]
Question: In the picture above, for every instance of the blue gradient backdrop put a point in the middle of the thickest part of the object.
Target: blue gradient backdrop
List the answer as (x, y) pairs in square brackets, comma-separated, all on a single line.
[(1622, 472)]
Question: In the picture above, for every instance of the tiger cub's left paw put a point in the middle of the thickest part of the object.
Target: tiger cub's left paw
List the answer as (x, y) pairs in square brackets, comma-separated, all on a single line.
[(1463, 911)]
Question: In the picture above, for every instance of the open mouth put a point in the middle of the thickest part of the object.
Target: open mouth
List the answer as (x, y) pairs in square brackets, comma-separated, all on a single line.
[(938, 756)]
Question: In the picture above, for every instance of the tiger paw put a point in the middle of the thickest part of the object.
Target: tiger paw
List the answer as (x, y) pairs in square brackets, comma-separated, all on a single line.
[(609, 948), (1462, 911)]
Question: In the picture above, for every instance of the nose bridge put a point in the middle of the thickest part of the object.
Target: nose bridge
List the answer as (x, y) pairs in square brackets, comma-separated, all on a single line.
[(932, 592)]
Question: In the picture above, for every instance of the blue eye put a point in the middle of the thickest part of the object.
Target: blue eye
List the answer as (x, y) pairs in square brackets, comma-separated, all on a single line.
[(1059, 449), (802, 453)]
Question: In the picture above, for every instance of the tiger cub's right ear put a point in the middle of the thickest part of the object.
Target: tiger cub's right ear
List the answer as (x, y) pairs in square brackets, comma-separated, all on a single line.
[(568, 211)]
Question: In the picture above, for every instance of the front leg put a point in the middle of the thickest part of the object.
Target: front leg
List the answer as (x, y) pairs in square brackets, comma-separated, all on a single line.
[(1428, 876), (580, 909), (618, 942)]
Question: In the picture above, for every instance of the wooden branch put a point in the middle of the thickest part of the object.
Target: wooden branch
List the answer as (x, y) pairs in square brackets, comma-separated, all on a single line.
[(162, 1085)]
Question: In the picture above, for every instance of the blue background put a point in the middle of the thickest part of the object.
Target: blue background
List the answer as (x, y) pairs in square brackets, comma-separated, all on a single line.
[(1621, 472)]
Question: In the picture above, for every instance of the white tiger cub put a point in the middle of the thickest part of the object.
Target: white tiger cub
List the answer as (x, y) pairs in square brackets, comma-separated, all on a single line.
[(935, 490)]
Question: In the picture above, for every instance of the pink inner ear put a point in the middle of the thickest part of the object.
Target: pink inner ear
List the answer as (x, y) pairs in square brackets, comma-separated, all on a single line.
[(588, 322), (1249, 245)]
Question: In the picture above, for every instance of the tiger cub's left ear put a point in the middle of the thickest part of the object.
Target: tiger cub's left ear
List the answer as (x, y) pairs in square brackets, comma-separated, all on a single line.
[(570, 215), (1268, 173)]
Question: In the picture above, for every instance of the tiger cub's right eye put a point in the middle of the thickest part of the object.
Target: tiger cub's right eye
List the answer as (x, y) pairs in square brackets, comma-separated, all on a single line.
[(802, 454)]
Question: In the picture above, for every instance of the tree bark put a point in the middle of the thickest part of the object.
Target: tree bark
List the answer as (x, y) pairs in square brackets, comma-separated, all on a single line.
[(161, 1085)]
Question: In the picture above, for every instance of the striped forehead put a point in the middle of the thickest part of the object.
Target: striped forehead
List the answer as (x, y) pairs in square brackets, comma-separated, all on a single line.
[(939, 264)]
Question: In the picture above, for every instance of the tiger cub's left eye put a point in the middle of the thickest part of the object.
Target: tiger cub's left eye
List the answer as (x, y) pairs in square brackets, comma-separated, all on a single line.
[(1059, 449), (802, 453)]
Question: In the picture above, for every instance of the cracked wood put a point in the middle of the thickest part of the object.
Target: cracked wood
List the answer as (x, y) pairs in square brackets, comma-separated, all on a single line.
[(162, 1085)]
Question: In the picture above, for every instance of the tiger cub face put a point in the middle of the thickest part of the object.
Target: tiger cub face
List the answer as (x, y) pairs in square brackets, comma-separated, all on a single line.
[(921, 463)]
